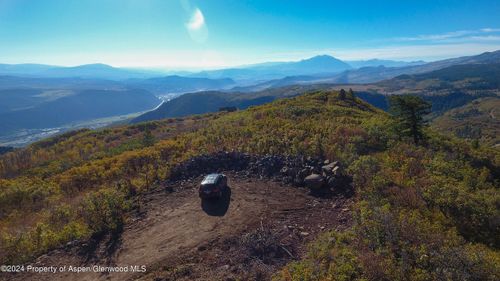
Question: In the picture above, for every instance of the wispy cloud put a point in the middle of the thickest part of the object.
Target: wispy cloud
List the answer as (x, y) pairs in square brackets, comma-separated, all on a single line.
[(197, 20), (459, 35), (486, 38), (490, 29), (428, 52)]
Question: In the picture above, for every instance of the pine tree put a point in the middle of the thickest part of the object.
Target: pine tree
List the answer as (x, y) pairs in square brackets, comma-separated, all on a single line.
[(409, 112), (350, 94), (342, 94)]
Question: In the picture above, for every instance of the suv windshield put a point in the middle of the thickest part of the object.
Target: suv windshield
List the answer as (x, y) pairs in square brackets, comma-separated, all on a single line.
[(210, 179)]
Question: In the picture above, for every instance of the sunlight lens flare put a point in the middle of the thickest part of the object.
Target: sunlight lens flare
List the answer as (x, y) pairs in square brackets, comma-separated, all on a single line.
[(196, 27), (197, 20)]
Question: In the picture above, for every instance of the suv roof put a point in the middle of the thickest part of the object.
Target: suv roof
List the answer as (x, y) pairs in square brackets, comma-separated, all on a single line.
[(211, 179)]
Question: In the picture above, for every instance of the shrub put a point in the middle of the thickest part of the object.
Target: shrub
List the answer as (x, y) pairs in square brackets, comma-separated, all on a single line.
[(104, 211)]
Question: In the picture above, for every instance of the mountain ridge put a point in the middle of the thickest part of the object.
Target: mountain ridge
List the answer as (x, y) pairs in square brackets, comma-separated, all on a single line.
[(460, 82)]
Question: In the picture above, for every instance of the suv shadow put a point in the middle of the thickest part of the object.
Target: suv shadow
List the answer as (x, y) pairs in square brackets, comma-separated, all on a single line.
[(217, 206)]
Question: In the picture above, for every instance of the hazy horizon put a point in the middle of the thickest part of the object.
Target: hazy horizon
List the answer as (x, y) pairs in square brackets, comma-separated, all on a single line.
[(215, 67)]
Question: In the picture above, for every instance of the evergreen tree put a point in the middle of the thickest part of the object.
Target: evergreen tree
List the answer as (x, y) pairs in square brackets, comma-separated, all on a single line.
[(350, 94), (342, 94), (409, 112)]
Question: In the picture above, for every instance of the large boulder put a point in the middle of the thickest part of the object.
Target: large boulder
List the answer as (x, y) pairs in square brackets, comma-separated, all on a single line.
[(314, 181), (303, 173), (328, 169), (337, 171)]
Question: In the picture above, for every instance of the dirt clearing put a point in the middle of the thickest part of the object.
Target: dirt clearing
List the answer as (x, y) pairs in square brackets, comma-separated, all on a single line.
[(256, 228)]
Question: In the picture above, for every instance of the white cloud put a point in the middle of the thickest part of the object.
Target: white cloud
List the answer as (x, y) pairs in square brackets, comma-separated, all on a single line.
[(490, 29), (416, 52), (197, 20), (447, 35), (486, 38)]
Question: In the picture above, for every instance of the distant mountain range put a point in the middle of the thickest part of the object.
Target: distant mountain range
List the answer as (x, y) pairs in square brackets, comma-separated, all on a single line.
[(386, 63), (372, 74), (88, 71), (36, 96), (265, 71), (26, 69), (446, 88), (317, 65)]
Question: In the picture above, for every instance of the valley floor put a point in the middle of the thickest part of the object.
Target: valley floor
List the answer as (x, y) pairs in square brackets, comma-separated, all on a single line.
[(24, 137)]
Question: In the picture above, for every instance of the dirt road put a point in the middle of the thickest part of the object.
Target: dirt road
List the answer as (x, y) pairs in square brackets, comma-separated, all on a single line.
[(176, 235)]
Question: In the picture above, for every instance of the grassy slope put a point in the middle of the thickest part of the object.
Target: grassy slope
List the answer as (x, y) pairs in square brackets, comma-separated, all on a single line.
[(476, 120), (421, 212)]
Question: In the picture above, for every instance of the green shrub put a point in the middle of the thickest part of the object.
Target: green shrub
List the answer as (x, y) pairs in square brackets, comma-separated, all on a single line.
[(104, 211)]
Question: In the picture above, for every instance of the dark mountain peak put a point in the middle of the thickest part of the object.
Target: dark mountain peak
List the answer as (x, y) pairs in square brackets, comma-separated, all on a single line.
[(322, 59), (324, 56), (97, 66), (322, 63)]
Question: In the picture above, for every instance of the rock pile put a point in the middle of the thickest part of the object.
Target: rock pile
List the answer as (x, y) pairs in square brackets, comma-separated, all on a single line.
[(315, 174), (311, 172)]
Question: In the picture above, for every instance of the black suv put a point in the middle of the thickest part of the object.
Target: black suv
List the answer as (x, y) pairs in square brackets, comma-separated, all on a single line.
[(212, 186)]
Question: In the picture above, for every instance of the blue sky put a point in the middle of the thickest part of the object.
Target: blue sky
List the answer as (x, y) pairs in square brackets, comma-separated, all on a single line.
[(214, 33)]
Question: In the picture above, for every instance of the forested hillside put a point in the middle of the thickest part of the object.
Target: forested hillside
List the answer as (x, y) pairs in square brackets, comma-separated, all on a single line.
[(426, 212), (477, 121)]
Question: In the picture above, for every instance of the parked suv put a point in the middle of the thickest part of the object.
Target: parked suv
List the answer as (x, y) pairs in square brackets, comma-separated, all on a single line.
[(212, 186)]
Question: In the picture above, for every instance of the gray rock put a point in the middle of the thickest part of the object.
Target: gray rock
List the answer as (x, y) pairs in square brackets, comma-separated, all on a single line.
[(303, 173), (328, 169), (337, 171), (314, 181)]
